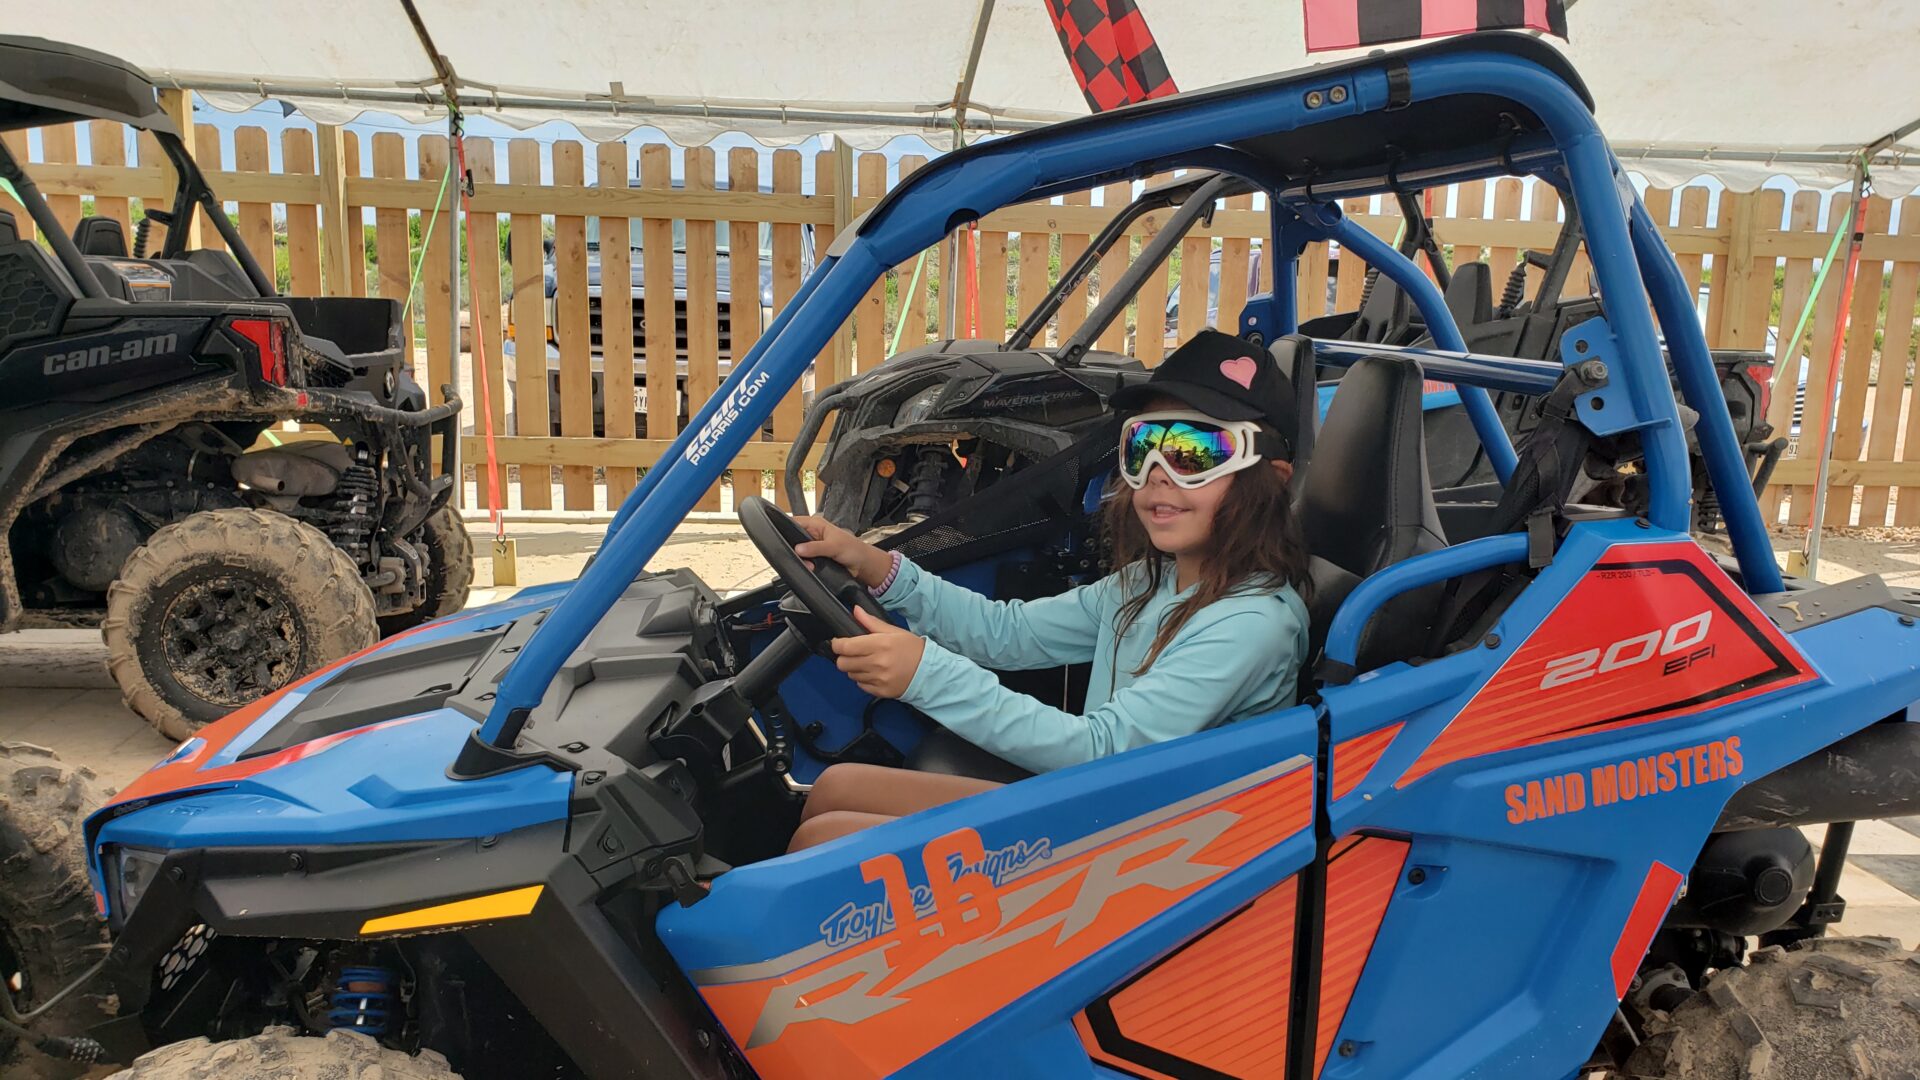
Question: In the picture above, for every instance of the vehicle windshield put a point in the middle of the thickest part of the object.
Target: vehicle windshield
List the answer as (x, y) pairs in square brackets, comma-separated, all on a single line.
[(722, 236)]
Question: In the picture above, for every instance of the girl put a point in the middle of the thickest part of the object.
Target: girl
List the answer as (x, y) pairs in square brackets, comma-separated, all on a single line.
[(1203, 622)]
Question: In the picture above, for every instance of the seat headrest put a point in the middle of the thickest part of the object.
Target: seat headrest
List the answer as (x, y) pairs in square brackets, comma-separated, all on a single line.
[(100, 236), (1385, 316), (1367, 502), (1294, 355), (1470, 294), (9, 232)]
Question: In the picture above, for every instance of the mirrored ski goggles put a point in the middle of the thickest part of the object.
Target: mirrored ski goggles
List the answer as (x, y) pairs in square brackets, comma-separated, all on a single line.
[(1192, 447)]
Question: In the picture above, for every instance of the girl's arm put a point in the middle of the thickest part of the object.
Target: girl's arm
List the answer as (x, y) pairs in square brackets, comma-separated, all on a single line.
[(1199, 679), (1010, 635), (1013, 635)]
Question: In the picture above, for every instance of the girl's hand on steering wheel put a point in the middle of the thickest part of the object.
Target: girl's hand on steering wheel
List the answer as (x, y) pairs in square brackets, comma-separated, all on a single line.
[(883, 660), (867, 564)]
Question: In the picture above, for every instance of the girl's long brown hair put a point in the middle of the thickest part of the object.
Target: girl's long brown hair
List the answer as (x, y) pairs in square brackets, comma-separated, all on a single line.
[(1256, 545)]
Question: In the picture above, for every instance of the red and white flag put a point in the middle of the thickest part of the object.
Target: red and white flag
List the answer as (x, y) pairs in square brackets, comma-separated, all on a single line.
[(1350, 24)]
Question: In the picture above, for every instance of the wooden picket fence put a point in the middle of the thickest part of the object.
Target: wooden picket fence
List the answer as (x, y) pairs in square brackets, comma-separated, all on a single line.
[(1754, 263)]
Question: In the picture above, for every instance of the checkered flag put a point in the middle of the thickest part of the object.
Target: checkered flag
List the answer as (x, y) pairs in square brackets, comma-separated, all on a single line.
[(1350, 24), (1112, 53)]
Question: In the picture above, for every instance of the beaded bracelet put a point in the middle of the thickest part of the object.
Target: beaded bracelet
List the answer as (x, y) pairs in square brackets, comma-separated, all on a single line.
[(893, 571)]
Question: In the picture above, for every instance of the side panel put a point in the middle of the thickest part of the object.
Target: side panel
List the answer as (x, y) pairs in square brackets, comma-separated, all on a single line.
[(1555, 785), (959, 932), (1220, 1004)]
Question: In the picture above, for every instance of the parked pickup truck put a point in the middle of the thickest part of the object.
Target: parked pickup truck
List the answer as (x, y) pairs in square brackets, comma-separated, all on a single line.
[(761, 309)]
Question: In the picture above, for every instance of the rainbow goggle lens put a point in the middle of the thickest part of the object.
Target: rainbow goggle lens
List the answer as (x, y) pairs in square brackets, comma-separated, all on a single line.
[(1192, 447)]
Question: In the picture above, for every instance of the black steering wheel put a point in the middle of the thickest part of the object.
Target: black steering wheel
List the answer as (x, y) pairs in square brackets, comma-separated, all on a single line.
[(826, 591)]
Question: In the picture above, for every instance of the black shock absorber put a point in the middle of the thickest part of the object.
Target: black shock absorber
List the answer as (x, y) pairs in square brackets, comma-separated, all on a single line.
[(1516, 289), (140, 231), (925, 482), (363, 1000), (351, 524)]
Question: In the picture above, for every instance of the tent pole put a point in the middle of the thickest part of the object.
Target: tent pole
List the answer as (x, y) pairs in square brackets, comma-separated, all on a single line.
[(1862, 188), (454, 134), (962, 92)]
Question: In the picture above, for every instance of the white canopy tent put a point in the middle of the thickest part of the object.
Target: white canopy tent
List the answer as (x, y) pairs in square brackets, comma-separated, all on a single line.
[(1737, 89)]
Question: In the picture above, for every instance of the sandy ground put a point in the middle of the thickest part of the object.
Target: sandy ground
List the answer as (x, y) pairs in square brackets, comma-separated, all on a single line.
[(54, 688)]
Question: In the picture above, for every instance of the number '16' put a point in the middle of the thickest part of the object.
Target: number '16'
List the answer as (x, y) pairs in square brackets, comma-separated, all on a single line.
[(1627, 652)]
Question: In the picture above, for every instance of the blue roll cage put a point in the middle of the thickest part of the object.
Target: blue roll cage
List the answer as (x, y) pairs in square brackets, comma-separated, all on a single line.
[(1628, 256)]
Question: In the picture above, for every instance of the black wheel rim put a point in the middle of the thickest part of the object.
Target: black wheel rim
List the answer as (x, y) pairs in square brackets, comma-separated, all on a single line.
[(231, 638)]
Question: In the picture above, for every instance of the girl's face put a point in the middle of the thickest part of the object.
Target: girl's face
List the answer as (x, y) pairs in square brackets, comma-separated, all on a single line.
[(1179, 521)]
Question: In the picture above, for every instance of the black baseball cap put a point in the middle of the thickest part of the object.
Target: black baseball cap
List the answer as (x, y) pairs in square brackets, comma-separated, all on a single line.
[(1226, 377)]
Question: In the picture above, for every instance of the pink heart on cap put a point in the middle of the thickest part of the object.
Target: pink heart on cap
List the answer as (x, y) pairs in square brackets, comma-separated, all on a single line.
[(1240, 369)]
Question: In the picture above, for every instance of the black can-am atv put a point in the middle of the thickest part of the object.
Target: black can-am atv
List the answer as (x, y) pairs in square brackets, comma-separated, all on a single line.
[(146, 485)]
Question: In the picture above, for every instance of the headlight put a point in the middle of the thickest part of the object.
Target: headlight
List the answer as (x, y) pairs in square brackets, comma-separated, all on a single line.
[(919, 406), (134, 870)]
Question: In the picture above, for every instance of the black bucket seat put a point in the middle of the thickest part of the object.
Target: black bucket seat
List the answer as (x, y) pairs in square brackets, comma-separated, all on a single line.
[(1367, 504)]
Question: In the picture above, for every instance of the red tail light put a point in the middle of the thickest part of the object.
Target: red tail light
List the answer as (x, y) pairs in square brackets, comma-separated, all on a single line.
[(269, 338), (1762, 376)]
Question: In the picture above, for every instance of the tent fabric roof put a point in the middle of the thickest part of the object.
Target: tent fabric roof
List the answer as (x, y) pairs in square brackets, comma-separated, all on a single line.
[(1739, 89)]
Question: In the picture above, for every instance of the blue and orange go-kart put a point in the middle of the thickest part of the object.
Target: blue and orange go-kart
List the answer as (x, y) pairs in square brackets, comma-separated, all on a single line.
[(1537, 804)]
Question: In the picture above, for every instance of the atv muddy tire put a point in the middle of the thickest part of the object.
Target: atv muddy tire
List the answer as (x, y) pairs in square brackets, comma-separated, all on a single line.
[(1824, 1009), (449, 572), (225, 607), (50, 933), (279, 1054)]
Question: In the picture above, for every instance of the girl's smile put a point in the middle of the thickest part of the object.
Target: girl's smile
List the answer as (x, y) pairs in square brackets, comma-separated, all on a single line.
[(1179, 521)]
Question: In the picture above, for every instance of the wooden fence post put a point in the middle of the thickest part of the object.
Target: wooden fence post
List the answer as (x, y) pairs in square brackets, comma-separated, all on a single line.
[(703, 294), (743, 264), (206, 154), (1150, 304), (870, 319), (786, 282), (1899, 341), (571, 331), (616, 317), (256, 218), (484, 320), (60, 146), (1236, 254), (303, 219), (1745, 279), (1114, 198), (843, 215), (1856, 369), (531, 416), (109, 144), (337, 234), (356, 217), (657, 305), (438, 291), (392, 239), (178, 105), (1890, 378)]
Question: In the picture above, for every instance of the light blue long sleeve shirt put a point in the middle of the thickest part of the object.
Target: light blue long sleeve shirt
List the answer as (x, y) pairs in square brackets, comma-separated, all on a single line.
[(1234, 658)]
